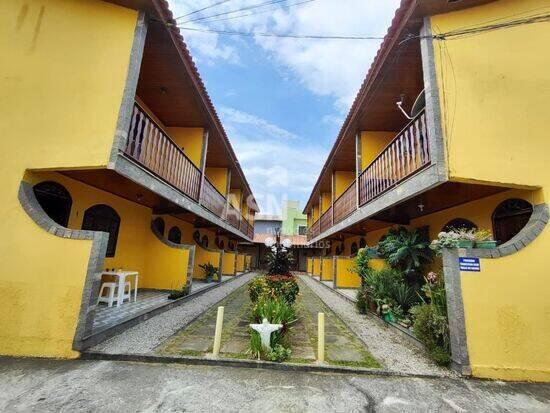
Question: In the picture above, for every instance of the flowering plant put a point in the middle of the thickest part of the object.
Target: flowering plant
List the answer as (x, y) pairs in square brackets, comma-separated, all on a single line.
[(445, 240)]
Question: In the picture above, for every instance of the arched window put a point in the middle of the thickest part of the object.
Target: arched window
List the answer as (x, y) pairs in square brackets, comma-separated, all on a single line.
[(158, 224), (362, 243), (204, 241), (509, 219), (174, 235), (459, 223), (55, 200), (103, 218), (222, 244), (354, 248)]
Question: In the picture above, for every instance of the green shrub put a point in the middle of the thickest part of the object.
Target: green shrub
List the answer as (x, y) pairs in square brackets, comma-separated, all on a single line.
[(209, 271), (388, 286), (257, 288), (403, 250), (278, 353), (276, 312), (274, 287), (433, 330)]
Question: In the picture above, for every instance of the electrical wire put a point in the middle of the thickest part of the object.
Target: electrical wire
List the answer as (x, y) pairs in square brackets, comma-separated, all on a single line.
[(203, 9), (284, 36), (256, 12), (252, 7)]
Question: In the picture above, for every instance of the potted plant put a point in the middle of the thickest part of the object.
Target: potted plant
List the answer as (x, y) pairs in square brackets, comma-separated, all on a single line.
[(209, 271), (466, 238), (484, 239)]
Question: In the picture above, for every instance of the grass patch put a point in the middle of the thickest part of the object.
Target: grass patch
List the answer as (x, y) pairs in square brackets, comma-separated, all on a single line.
[(368, 362), (299, 360)]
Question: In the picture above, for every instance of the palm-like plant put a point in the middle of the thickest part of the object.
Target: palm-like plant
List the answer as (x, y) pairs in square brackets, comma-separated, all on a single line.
[(404, 250)]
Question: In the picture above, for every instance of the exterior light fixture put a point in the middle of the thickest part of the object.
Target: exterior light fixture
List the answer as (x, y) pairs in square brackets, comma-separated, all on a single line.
[(269, 242), (287, 243)]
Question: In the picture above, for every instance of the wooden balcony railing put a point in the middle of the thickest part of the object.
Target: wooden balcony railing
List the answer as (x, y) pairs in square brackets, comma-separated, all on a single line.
[(244, 225), (149, 145), (346, 203), (233, 216), (405, 155), (212, 199), (326, 220), (314, 230)]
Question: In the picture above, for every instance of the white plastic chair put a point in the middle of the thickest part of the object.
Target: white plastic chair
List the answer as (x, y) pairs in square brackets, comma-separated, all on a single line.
[(112, 293)]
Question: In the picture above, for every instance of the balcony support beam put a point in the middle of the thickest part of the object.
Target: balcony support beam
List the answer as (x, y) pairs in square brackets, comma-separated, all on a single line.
[(203, 162), (436, 141), (227, 190), (358, 165), (129, 93)]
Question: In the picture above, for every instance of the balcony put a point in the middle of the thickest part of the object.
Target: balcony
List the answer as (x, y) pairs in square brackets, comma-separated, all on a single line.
[(407, 154), (150, 146)]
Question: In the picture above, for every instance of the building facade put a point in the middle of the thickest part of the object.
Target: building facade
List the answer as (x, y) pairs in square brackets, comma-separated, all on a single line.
[(468, 147), (113, 158)]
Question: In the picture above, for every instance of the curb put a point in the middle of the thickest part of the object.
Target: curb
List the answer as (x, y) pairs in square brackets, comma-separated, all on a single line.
[(252, 364)]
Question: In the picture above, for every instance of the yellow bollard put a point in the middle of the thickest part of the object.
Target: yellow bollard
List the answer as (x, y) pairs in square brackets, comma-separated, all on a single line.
[(321, 337), (218, 333)]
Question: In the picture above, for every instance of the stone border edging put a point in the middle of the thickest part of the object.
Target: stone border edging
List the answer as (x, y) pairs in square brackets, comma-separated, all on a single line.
[(534, 227), (92, 280), (255, 364)]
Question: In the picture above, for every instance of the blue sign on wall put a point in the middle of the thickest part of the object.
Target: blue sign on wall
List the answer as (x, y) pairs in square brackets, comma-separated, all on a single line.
[(469, 264)]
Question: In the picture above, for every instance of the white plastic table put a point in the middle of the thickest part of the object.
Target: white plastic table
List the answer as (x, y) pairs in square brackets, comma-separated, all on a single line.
[(121, 277)]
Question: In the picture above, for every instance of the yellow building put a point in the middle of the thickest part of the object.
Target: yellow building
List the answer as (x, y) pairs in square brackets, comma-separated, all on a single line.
[(468, 148), (113, 158)]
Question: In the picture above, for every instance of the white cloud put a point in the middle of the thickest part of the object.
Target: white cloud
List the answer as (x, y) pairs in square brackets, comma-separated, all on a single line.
[(278, 163), (333, 68)]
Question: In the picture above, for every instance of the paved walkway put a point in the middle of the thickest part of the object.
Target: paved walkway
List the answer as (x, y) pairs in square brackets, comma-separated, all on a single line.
[(342, 346), (44, 386), (144, 337), (387, 346)]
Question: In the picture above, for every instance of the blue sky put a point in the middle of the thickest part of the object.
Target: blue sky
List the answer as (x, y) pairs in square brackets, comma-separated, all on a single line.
[(282, 101)]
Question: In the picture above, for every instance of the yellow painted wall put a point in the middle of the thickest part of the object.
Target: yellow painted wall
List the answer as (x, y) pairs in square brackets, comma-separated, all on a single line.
[(310, 265), (185, 227), (345, 276), (377, 264), (235, 198), (316, 266), (47, 76), (204, 256), (218, 178), (190, 139), (342, 179), (348, 242), (372, 143), (496, 117), (228, 263), (326, 201), (248, 262), (166, 268), (240, 263), (511, 294), (137, 248), (326, 270), (315, 213)]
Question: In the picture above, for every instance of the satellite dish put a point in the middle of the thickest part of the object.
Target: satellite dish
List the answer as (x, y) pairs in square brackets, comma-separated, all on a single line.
[(419, 104)]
